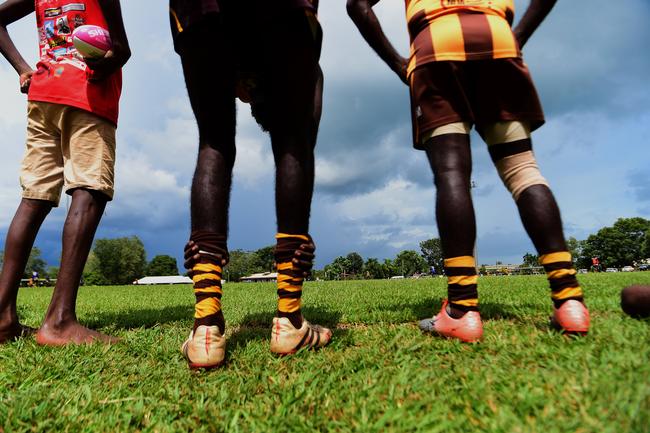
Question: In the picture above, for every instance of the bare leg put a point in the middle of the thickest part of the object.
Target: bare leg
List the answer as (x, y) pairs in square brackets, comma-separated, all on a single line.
[(451, 162), (541, 218), (60, 325), (20, 239), (212, 95)]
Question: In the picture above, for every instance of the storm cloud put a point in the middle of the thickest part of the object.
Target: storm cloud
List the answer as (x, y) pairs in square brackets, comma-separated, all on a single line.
[(374, 193)]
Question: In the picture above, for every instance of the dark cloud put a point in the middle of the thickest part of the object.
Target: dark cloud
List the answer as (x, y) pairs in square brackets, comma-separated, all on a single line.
[(591, 59), (639, 182)]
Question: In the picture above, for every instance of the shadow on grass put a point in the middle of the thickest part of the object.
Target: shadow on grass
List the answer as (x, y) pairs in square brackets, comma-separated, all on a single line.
[(147, 317), (489, 310), (257, 326)]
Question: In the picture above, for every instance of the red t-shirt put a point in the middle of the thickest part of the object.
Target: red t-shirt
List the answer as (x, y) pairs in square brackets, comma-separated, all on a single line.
[(61, 75)]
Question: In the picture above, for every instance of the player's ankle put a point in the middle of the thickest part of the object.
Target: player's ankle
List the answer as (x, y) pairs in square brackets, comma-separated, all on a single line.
[(457, 312), (295, 317), (216, 319), (557, 303)]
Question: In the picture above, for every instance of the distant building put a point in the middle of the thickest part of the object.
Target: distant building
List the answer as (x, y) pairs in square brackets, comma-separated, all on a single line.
[(171, 279), (262, 277)]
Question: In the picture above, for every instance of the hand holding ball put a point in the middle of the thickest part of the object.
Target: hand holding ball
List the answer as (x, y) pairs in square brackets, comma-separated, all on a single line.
[(92, 42)]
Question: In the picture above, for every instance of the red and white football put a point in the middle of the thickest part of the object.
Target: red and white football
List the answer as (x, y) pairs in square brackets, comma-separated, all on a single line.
[(91, 41)]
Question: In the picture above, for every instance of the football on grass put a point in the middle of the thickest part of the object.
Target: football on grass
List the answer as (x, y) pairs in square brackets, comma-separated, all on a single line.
[(635, 301), (91, 41)]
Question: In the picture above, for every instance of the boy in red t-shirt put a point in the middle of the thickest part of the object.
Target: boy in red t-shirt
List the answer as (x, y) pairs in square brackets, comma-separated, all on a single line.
[(72, 117)]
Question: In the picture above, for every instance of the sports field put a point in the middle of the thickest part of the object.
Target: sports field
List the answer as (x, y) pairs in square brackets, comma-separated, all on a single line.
[(379, 374)]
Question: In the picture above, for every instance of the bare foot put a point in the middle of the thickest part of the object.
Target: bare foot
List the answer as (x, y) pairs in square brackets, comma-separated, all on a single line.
[(14, 332), (71, 333)]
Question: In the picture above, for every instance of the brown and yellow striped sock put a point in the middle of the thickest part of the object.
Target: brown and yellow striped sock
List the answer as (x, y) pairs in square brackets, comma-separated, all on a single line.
[(561, 276), (206, 275), (207, 290), (290, 276), (462, 283)]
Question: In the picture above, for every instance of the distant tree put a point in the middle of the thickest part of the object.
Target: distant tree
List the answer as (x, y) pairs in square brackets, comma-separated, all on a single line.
[(35, 263), (410, 262), (432, 253), (390, 269), (52, 272), (92, 274), (530, 260), (355, 262), (372, 269), (264, 259), (575, 248), (619, 245), (121, 260), (338, 269), (242, 264), (162, 265)]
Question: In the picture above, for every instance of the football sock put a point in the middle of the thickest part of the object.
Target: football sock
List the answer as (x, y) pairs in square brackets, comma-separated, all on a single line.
[(206, 275), (561, 276), (291, 274), (461, 284)]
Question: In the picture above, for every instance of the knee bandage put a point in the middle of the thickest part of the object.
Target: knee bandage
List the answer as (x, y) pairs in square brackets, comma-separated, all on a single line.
[(511, 152), (520, 171)]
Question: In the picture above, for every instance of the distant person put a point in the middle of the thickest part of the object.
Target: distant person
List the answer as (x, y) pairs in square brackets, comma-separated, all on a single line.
[(266, 53), (595, 264), (466, 69), (71, 121)]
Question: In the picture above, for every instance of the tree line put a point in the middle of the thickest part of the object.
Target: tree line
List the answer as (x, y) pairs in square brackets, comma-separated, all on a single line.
[(123, 260), (111, 261), (625, 243), (406, 263)]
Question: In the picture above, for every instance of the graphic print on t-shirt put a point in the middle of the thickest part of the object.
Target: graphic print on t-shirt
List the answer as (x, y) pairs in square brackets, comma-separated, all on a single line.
[(62, 76), (59, 21)]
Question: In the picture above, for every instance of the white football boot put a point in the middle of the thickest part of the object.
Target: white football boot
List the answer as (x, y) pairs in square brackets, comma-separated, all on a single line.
[(205, 348), (286, 339)]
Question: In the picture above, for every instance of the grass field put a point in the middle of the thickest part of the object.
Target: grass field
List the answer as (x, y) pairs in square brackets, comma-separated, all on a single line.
[(379, 374)]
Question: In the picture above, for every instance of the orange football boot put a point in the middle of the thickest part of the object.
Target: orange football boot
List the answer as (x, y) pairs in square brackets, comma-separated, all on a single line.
[(468, 328), (572, 317)]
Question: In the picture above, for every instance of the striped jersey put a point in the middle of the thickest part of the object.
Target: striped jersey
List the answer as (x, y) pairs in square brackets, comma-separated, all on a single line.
[(459, 30)]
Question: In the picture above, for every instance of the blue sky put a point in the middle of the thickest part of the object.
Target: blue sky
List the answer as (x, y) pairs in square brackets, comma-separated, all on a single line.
[(374, 193)]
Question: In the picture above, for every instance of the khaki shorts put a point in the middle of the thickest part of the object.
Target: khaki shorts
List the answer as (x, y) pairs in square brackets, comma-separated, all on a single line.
[(66, 147)]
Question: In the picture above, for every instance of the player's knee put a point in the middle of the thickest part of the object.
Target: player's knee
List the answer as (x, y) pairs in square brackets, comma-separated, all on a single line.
[(519, 172), (510, 148), (213, 148)]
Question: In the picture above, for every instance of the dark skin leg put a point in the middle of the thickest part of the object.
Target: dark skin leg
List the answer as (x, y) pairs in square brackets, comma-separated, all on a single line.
[(212, 96), (541, 218), (60, 326), (295, 95), (296, 92), (450, 159), (20, 239)]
